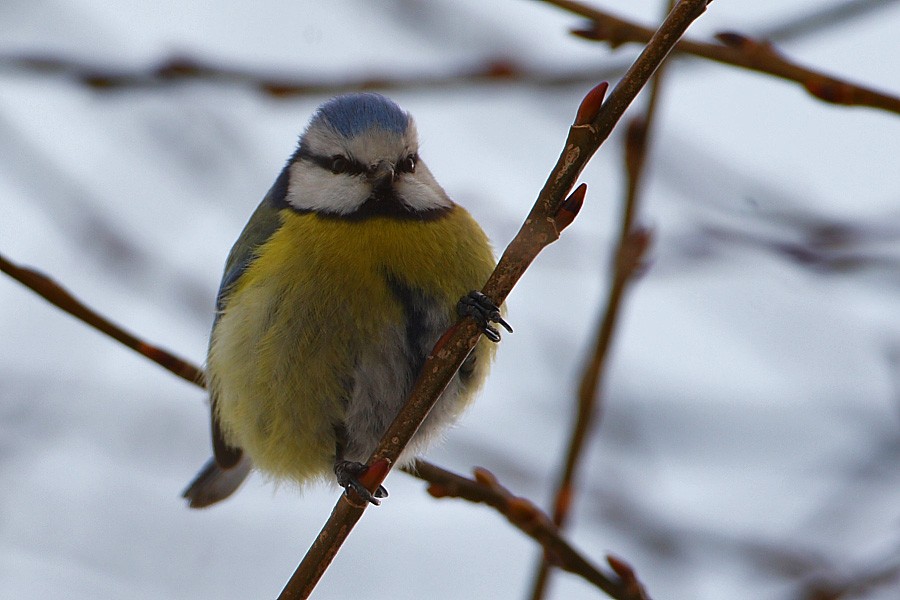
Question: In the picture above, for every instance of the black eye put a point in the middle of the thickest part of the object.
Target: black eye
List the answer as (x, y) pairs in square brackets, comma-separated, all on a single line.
[(408, 164), (339, 165)]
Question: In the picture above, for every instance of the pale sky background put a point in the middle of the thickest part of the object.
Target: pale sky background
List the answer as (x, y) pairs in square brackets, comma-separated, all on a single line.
[(751, 434)]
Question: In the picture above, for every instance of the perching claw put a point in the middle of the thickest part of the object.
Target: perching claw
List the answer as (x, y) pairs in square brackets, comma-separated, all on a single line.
[(484, 311), (348, 474)]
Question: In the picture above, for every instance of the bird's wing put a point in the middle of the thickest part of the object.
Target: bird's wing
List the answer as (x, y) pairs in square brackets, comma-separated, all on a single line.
[(264, 222)]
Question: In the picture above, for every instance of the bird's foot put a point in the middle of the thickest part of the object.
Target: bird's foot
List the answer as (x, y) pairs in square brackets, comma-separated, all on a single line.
[(348, 473), (484, 311)]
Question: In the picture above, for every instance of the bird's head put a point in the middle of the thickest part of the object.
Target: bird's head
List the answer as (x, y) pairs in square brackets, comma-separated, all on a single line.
[(358, 158)]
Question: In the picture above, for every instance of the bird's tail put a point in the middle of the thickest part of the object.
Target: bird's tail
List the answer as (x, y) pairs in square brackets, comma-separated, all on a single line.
[(213, 483)]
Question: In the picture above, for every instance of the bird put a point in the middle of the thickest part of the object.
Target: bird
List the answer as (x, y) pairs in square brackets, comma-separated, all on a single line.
[(350, 269)]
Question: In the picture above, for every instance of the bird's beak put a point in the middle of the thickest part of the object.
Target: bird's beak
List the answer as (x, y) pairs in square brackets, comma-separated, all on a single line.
[(382, 176), (382, 172)]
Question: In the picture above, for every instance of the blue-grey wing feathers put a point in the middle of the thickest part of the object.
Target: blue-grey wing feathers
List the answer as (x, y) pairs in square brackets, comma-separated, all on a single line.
[(264, 222)]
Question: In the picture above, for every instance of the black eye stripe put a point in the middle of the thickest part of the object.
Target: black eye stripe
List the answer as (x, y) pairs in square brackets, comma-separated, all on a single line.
[(340, 165), (344, 165), (352, 167)]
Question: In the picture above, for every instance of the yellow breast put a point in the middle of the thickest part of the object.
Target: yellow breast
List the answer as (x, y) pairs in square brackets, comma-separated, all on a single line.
[(286, 345)]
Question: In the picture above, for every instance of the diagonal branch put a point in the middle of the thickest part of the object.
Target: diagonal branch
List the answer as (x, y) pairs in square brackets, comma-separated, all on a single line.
[(542, 530), (528, 518), (56, 294), (738, 50), (630, 249), (553, 210)]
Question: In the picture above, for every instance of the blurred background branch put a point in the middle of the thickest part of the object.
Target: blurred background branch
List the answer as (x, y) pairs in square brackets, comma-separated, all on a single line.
[(54, 293), (178, 70), (519, 511), (629, 252), (741, 51), (750, 406), (754, 52), (555, 208), (527, 517)]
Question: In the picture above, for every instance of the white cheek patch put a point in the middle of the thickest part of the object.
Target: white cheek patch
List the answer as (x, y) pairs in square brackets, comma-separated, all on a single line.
[(420, 191), (315, 189)]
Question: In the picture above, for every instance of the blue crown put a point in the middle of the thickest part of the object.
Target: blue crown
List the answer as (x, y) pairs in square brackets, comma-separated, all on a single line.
[(352, 114)]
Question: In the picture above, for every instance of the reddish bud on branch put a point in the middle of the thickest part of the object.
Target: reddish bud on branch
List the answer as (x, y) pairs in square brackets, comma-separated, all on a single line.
[(591, 104), (732, 39), (485, 477), (632, 588), (570, 207)]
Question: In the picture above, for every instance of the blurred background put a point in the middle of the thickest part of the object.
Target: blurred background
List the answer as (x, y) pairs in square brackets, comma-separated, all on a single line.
[(750, 440)]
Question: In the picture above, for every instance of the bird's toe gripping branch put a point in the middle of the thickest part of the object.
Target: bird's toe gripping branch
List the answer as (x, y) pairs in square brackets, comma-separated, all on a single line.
[(348, 475), (484, 311)]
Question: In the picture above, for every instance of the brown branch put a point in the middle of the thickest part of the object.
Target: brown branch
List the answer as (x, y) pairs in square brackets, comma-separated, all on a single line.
[(529, 519), (553, 209), (629, 252), (175, 70), (737, 50), (551, 213), (538, 526), (820, 17), (56, 294), (63, 299)]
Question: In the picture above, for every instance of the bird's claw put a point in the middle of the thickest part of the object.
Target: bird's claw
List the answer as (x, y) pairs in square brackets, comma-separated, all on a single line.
[(348, 473), (484, 311)]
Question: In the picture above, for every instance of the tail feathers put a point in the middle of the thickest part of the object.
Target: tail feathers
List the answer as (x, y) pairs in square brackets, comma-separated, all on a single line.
[(213, 483)]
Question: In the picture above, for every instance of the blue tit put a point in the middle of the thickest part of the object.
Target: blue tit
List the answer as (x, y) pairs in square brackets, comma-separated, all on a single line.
[(342, 281)]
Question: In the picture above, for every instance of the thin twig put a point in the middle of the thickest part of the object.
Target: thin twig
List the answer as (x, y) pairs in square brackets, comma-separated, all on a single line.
[(528, 518), (553, 209), (630, 248), (180, 69), (738, 50), (819, 17), (56, 294), (551, 213), (544, 531)]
